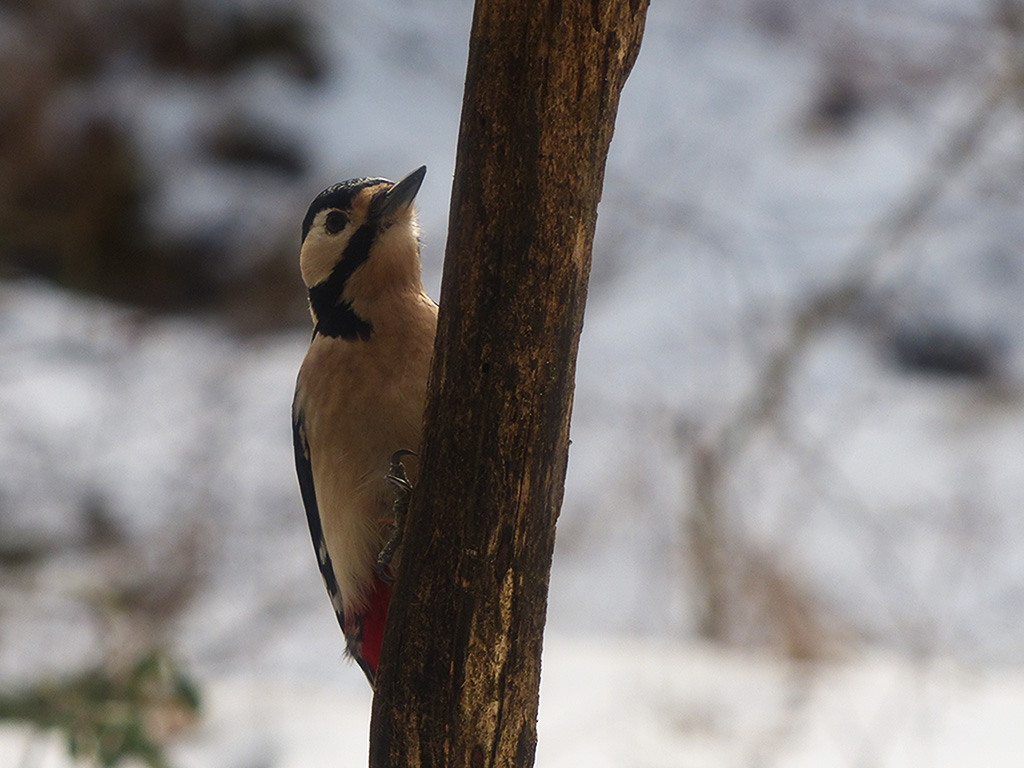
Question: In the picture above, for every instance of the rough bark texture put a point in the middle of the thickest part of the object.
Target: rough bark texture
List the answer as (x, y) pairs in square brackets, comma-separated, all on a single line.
[(460, 671)]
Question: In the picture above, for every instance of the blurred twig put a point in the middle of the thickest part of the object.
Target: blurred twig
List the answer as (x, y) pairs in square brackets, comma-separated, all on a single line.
[(715, 452)]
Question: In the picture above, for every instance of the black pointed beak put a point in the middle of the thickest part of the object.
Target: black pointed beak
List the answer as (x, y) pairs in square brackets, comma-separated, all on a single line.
[(402, 194)]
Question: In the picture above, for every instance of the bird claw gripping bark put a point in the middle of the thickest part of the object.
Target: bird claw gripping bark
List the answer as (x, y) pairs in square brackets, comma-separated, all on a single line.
[(398, 479)]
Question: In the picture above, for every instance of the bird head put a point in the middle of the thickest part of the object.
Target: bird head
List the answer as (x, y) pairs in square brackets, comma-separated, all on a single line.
[(360, 240)]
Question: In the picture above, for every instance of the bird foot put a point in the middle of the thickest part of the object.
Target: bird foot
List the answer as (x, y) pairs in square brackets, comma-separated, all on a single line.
[(398, 479)]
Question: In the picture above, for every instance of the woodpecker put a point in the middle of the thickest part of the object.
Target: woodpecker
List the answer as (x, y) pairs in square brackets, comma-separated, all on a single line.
[(361, 390)]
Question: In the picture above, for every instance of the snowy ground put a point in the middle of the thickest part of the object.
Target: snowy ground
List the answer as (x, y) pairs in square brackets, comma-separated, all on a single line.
[(615, 704), (150, 458)]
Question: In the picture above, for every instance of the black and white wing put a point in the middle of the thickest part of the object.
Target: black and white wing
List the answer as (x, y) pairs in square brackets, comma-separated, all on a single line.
[(304, 469)]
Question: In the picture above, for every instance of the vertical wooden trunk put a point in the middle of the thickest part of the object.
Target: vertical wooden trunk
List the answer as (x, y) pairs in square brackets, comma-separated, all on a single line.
[(460, 671)]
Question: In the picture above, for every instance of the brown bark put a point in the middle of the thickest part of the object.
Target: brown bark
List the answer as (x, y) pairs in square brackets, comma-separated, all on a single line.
[(460, 670)]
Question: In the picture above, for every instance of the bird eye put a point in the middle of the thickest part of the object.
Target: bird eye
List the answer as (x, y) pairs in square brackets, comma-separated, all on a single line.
[(335, 222)]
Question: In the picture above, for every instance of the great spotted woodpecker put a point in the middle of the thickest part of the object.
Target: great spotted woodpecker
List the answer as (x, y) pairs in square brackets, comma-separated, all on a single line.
[(361, 390)]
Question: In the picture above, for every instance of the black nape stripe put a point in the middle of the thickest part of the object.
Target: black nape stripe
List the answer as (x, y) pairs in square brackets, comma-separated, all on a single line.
[(335, 315)]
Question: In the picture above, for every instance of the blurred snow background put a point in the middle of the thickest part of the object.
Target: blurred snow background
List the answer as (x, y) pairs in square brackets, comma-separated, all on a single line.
[(791, 532)]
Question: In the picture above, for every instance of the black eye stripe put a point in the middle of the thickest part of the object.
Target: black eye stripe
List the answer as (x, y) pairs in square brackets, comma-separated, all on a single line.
[(335, 222)]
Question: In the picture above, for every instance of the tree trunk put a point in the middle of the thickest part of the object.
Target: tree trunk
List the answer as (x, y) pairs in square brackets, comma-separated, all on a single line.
[(460, 669)]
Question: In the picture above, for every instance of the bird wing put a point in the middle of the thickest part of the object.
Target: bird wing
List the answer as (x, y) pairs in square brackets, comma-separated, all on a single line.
[(304, 469)]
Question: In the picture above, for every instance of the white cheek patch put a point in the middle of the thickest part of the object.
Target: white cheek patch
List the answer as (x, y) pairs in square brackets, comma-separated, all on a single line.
[(320, 253), (317, 259)]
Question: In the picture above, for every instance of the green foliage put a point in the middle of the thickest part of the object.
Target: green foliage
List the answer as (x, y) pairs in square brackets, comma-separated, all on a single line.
[(109, 716)]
